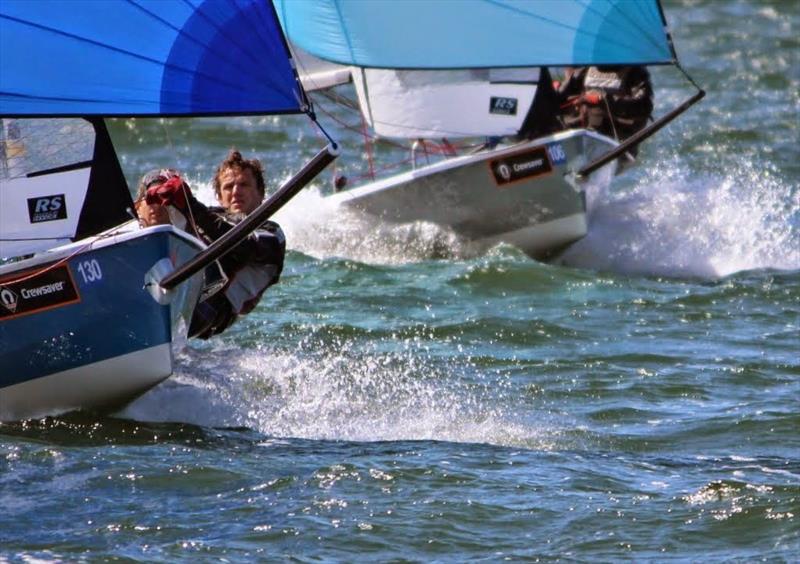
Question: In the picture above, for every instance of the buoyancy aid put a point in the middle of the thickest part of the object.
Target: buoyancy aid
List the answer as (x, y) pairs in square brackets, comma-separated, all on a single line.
[(610, 82), (627, 102), (249, 282)]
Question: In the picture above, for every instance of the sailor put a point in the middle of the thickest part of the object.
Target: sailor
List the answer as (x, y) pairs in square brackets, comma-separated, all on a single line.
[(616, 101), (253, 265), (150, 213)]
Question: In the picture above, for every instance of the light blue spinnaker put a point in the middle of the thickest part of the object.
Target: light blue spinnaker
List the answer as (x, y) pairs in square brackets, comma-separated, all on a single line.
[(144, 57), (449, 34)]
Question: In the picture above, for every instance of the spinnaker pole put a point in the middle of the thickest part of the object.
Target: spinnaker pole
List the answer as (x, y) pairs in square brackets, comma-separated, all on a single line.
[(639, 136)]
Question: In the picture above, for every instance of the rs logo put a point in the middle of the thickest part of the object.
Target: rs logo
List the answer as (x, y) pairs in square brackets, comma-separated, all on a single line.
[(48, 204), (47, 208)]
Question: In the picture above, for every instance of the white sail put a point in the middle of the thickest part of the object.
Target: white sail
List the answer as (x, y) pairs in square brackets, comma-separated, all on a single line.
[(451, 103), (317, 74), (44, 177)]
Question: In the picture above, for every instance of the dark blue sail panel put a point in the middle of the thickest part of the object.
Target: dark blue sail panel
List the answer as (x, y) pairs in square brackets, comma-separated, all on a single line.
[(449, 34), (144, 57)]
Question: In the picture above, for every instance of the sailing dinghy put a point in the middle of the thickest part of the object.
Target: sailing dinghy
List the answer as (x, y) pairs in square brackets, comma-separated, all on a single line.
[(92, 305), (432, 72)]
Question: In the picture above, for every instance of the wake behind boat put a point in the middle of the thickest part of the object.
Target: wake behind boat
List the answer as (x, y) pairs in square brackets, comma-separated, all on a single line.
[(430, 73), (92, 305)]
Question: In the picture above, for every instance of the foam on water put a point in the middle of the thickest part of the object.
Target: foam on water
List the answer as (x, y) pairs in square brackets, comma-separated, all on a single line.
[(323, 229), (341, 392), (675, 223), (670, 222), (320, 228)]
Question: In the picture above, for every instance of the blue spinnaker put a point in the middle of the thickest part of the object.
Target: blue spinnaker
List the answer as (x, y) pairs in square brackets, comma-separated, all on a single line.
[(144, 57), (449, 34)]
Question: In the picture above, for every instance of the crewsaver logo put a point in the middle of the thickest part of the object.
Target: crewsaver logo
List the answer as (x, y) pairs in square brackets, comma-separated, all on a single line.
[(47, 208), (504, 171), (519, 166), (8, 299), (52, 287)]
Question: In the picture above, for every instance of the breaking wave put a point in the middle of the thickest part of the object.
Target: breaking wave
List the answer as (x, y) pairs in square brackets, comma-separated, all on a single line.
[(675, 223), (341, 392)]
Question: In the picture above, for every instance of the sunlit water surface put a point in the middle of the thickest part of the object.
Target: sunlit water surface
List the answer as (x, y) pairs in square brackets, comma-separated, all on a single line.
[(398, 396)]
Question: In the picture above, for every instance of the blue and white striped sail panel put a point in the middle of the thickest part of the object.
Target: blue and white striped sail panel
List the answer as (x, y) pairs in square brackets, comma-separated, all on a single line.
[(452, 34), (144, 57)]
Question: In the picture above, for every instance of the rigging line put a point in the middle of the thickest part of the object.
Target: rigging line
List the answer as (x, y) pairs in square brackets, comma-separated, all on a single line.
[(384, 168), (358, 129), (298, 63), (325, 133), (368, 145), (338, 120), (375, 138), (312, 114), (174, 152), (343, 101), (611, 118), (82, 248), (689, 78)]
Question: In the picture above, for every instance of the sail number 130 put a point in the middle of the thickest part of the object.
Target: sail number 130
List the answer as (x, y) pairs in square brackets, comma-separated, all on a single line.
[(90, 271)]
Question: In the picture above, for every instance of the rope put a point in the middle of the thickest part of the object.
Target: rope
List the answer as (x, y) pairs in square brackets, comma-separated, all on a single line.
[(368, 146), (79, 250), (688, 77)]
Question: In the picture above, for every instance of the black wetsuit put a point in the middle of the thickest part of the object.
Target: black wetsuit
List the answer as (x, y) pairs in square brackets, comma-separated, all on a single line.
[(251, 267), (628, 97)]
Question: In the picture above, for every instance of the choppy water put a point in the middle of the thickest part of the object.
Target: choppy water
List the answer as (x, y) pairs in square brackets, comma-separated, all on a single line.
[(397, 397)]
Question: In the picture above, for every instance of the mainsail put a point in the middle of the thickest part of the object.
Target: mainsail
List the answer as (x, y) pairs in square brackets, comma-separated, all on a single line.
[(461, 68), (415, 104), (59, 180)]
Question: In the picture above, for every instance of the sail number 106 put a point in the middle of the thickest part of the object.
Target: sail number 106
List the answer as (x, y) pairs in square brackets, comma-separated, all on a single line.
[(90, 271)]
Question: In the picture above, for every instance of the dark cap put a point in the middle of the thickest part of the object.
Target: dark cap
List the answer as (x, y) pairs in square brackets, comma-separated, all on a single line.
[(156, 176)]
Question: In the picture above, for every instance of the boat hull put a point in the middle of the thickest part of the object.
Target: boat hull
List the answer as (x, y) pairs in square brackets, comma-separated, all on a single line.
[(523, 194), (81, 328)]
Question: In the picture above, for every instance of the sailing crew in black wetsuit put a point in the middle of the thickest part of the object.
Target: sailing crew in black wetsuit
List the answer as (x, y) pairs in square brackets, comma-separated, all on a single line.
[(253, 265), (616, 101)]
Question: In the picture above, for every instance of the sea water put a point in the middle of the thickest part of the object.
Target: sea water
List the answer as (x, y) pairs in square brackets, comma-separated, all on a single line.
[(398, 397)]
